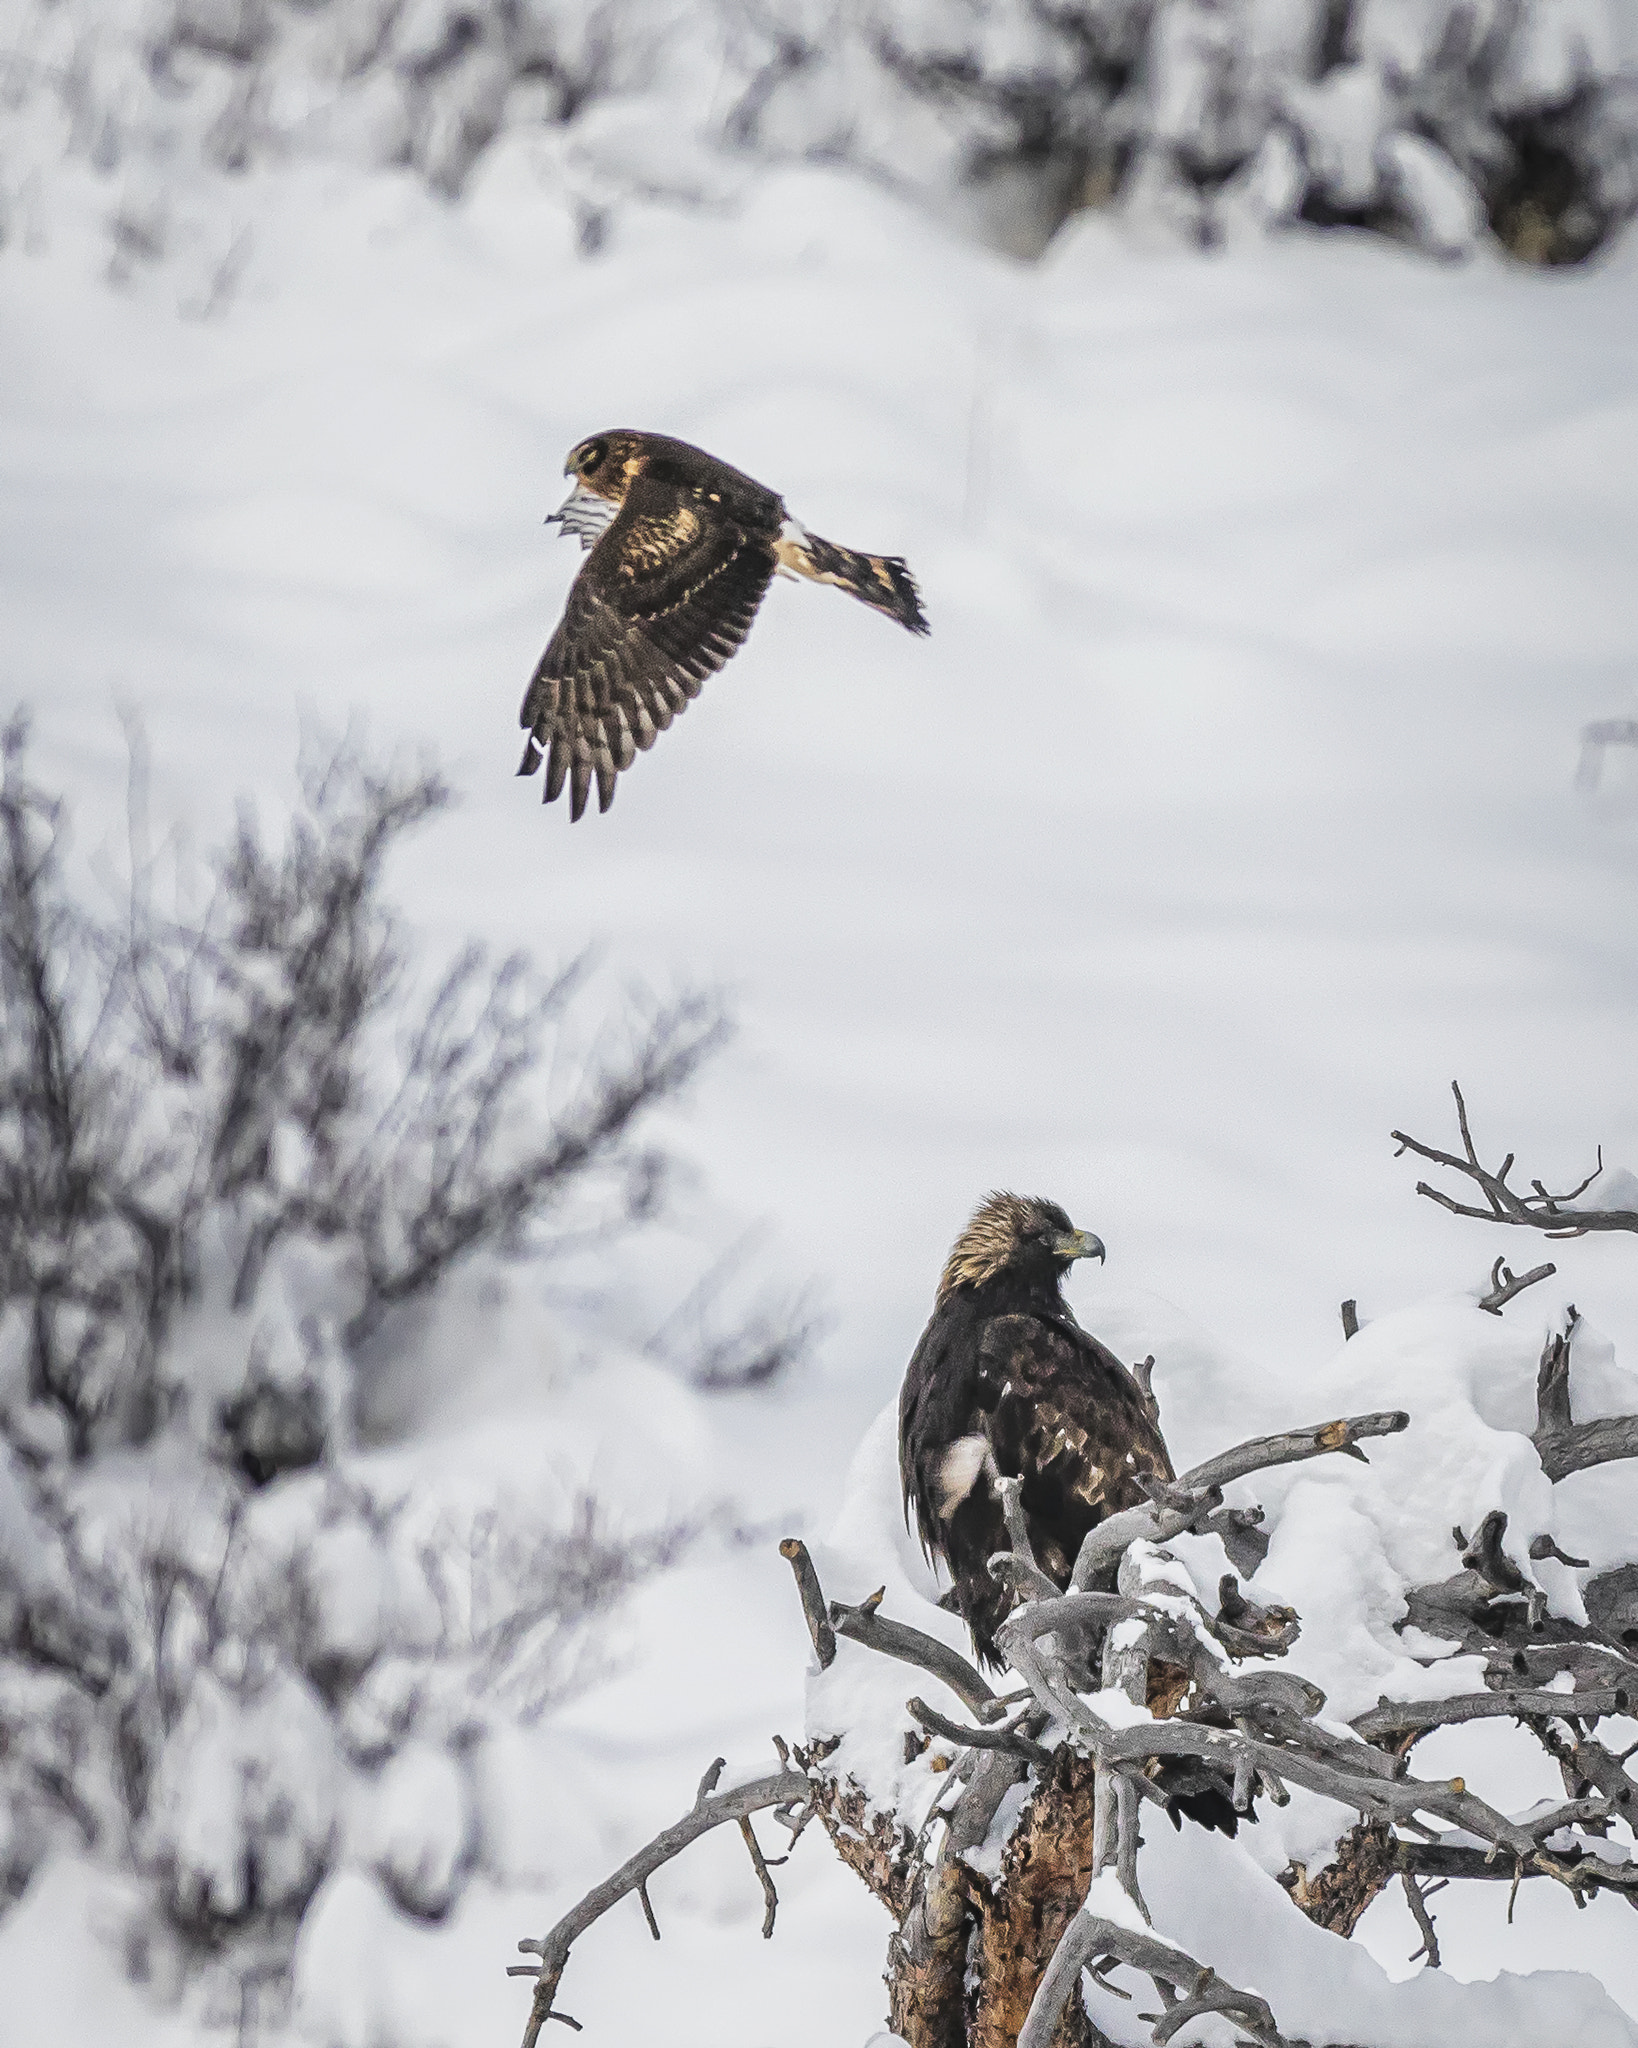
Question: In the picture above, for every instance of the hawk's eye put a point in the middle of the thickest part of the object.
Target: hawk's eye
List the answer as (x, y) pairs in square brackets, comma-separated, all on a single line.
[(592, 458)]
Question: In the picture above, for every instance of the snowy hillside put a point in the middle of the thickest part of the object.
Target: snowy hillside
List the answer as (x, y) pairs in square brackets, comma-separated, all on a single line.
[(1227, 814)]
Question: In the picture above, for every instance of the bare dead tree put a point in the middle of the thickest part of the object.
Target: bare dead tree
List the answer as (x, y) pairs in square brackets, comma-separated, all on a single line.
[(978, 1961)]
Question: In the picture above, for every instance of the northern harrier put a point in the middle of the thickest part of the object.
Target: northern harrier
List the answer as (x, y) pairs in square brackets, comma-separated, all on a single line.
[(682, 550)]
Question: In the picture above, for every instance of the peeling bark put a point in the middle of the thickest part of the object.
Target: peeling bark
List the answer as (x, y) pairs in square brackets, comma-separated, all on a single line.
[(1044, 1878), (1336, 1897)]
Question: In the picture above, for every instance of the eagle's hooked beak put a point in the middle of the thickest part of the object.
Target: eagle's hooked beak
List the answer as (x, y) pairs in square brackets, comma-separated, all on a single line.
[(1078, 1244)]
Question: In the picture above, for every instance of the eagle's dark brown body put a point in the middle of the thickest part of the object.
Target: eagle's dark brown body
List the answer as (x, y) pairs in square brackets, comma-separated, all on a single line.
[(1003, 1371), (1003, 1362), (683, 549)]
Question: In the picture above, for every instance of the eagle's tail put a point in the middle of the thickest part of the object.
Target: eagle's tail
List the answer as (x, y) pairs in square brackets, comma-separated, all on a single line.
[(880, 581), (1196, 1790)]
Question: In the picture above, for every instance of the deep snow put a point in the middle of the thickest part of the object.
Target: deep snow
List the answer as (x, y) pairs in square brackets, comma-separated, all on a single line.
[(1225, 816)]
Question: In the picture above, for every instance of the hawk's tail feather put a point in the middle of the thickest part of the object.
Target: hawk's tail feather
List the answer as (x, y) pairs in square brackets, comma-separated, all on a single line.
[(883, 582)]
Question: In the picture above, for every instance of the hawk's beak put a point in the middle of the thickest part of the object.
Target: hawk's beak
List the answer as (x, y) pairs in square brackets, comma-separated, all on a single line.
[(1079, 1244)]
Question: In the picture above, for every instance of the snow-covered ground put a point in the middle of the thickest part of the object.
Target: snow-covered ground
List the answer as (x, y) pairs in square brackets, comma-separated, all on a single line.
[(1226, 815)]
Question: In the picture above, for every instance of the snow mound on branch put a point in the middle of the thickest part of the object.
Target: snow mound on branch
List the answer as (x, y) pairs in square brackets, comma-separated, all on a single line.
[(1204, 1897)]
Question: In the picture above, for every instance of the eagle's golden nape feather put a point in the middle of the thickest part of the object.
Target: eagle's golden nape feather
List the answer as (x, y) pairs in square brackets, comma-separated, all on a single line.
[(682, 550), (996, 1232)]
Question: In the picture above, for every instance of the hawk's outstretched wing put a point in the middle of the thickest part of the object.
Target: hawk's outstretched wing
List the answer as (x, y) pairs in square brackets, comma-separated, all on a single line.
[(665, 597)]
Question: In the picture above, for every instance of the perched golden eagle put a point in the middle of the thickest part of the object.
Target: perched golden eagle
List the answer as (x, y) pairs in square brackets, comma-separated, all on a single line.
[(683, 549), (1004, 1365)]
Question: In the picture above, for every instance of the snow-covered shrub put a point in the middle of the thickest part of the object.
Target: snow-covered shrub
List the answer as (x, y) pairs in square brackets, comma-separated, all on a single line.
[(1433, 120), (1424, 118), (235, 1154), (227, 1154)]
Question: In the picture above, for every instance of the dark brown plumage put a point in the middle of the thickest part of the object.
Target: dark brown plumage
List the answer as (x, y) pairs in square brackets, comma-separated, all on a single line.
[(683, 549), (1003, 1364), (1004, 1371)]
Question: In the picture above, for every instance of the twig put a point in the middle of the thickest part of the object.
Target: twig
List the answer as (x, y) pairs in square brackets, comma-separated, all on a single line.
[(1007, 1739), (1423, 1919), (862, 1624), (760, 1866), (795, 1551), (710, 1810), (1505, 1284)]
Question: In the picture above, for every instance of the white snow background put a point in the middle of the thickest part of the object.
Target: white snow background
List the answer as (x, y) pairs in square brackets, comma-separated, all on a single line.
[(1226, 815)]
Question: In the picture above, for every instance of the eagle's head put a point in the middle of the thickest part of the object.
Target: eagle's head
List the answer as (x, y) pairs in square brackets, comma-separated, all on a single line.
[(1023, 1236)]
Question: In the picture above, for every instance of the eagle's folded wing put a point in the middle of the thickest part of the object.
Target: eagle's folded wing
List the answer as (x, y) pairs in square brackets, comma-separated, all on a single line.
[(1068, 1421), (665, 597)]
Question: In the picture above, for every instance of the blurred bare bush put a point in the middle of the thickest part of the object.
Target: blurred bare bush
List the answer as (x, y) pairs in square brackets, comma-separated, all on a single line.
[(1440, 122), (234, 1147)]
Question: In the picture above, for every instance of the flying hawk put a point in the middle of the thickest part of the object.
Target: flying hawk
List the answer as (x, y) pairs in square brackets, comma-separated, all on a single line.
[(1003, 1366), (682, 550)]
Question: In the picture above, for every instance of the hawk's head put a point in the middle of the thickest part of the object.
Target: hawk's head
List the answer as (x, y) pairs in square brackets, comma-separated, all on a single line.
[(602, 468), (1022, 1235), (606, 463)]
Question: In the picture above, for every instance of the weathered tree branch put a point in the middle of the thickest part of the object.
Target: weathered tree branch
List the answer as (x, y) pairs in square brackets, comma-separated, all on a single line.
[(1588, 1444), (786, 1788), (1416, 1899), (862, 1624), (1408, 1717), (1008, 1738), (1091, 1941), (795, 1552), (1181, 1503), (1505, 1284), (1538, 1210)]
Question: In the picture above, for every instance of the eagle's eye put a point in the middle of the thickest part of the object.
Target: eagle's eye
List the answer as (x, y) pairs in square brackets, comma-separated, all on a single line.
[(592, 456)]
